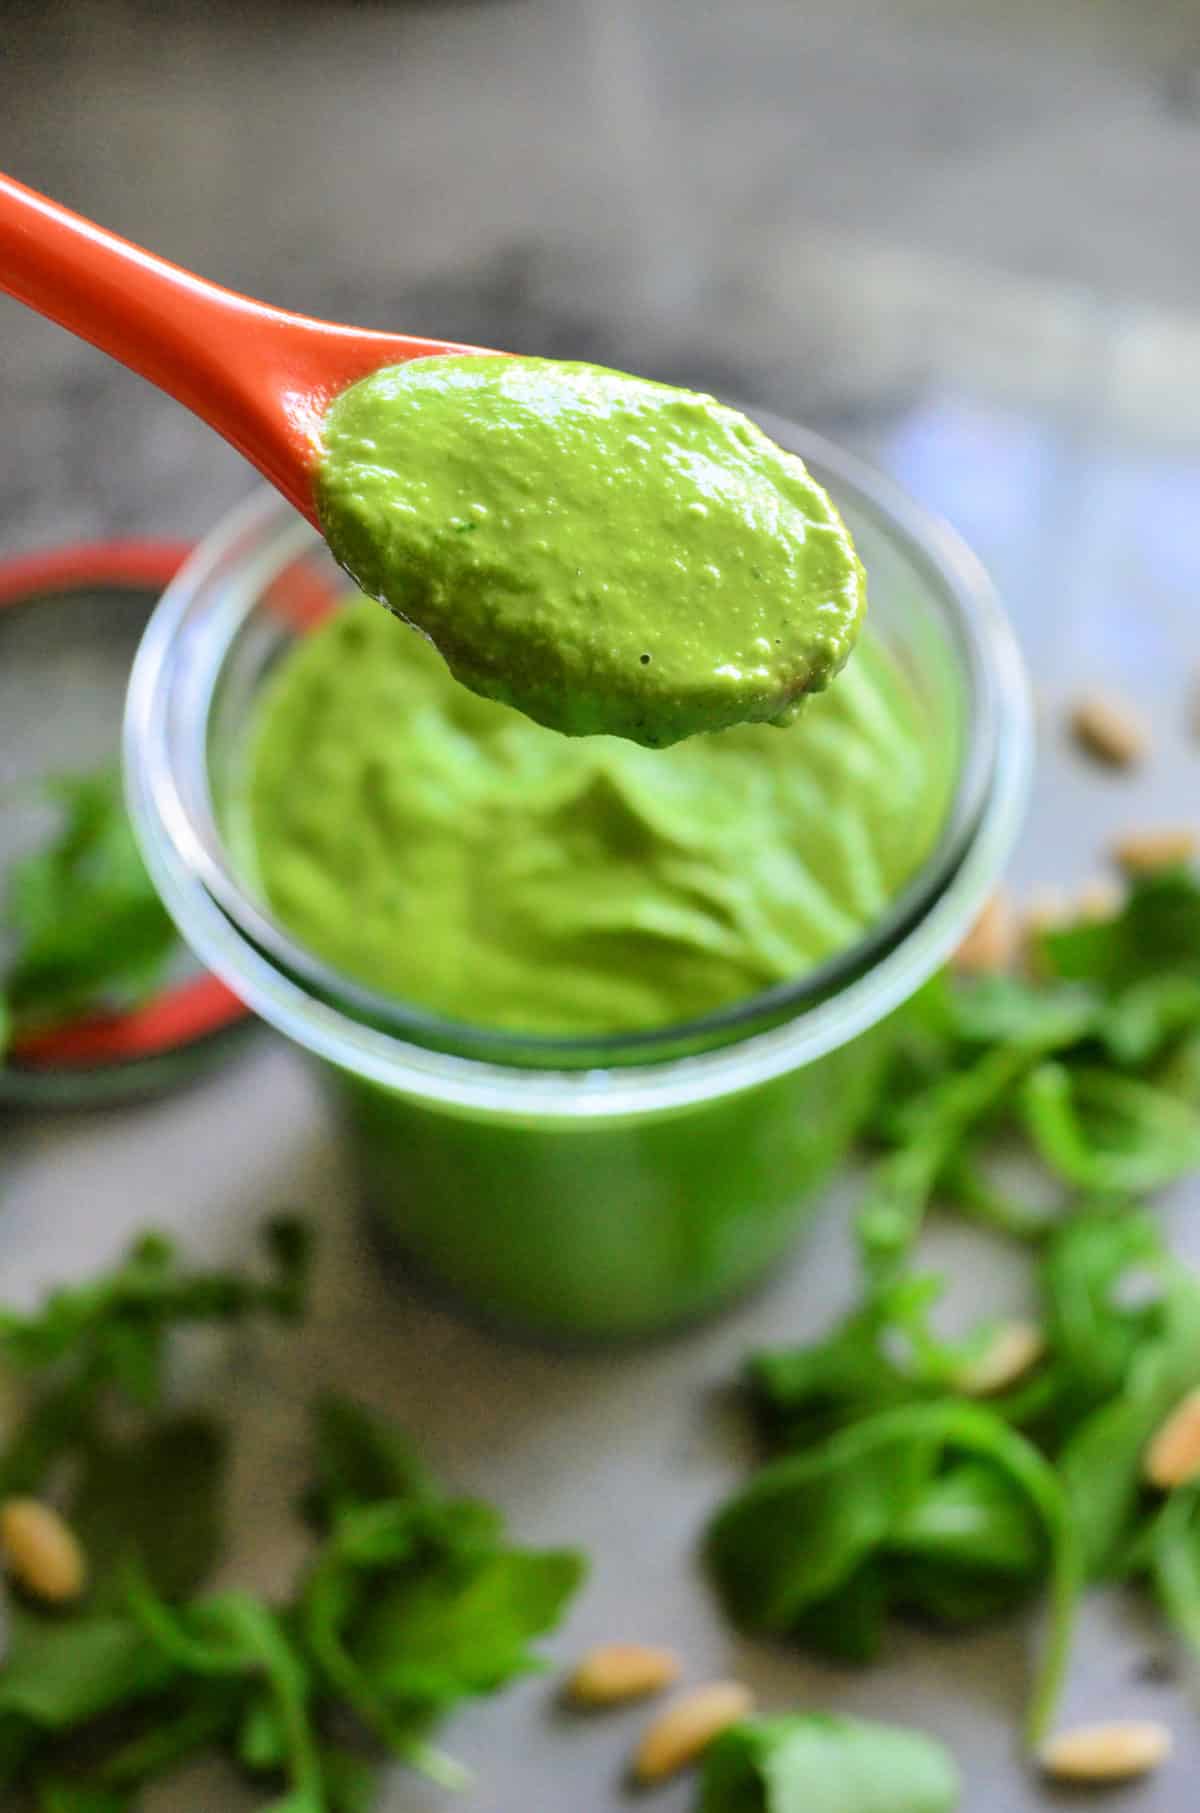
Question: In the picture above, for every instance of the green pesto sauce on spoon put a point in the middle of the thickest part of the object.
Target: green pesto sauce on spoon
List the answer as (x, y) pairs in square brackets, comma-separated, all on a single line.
[(447, 851), (604, 553)]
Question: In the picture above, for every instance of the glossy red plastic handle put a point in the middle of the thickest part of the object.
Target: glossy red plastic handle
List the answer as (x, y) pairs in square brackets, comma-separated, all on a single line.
[(260, 376)]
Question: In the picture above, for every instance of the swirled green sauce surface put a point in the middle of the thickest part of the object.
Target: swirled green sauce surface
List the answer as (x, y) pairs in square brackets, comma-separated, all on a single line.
[(605, 553), (444, 849)]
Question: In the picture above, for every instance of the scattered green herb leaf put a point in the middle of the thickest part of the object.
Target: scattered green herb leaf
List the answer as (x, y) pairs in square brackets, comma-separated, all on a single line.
[(786, 1549), (890, 1493), (817, 1764), (412, 1602)]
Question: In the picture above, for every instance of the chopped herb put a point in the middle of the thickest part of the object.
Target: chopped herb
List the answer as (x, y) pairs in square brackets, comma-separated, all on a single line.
[(817, 1764), (939, 1508), (412, 1601), (889, 1493)]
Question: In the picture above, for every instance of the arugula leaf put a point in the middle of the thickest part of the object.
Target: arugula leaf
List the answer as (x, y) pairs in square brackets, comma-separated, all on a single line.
[(418, 1601), (464, 1629), (91, 930), (969, 1548), (350, 1781), (1123, 1325), (60, 1672), (1106, 1133), (235, 1635), (805, 1524), (1103, 1277), (971, 1189), (116, 1322), (934, 1127), (413, 1602), (359, 1458), (156, 1493), (73, 1797), (1037, 1016), (1145, 1017), (157, 1500), (881, 1354), (109, 1336), (1124, 993), (1157, 930), (818, 1764), (1168, 1553), (1101, 1464), (785, 1550), (175, 1727)]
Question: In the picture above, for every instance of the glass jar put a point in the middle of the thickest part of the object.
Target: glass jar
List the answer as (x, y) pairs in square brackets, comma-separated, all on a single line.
[(598, 1188)]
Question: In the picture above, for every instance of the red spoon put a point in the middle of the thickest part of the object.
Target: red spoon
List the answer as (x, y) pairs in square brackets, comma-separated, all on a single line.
[(263, 378)]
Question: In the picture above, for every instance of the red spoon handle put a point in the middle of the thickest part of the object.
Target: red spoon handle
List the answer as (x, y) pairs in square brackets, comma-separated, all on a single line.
[(260, 376), (163, 322)]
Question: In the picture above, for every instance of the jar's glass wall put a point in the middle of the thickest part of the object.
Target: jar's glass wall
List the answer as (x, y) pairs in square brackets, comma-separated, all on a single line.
[(578, 1193)]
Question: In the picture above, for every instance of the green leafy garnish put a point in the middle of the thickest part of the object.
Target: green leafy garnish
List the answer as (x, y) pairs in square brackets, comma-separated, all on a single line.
[(110, 1335), (817, 1764), (1084, 1065), (938, 1508), (90, 930), (891, 1493), (416, 1601), (156, 1501), (1167, 1556), (412, 1601)]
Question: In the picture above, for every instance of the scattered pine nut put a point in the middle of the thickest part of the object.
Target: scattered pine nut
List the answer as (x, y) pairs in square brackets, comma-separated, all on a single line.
[(1142, 852), (1173, 1456), (614, 1672), (991, 943), (680, 1735), (1107, 1753), (1108, 729), (1015, 1347), (42, 1551)]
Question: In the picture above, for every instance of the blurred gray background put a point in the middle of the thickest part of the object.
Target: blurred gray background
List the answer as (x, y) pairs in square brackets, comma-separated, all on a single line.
[(960, 235)]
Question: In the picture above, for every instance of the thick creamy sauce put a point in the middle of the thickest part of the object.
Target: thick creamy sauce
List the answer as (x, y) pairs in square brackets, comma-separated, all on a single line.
[(447, 851), (604, 553)]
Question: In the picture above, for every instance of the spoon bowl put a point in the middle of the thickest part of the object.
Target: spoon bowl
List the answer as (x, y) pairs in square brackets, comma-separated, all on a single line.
[(607, 554)]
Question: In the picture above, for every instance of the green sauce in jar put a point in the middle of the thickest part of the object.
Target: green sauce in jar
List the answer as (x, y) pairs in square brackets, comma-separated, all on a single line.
[(445, 850)]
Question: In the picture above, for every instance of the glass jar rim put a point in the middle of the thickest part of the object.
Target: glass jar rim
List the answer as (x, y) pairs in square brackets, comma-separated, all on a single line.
[(347, 1024)]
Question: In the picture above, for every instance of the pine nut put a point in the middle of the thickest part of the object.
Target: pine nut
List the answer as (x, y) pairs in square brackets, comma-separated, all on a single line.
[(1015, 1347), (681, 1734), (1108, 729), (1142, 852), (42, 1551), (1107, 1753), (613, 1672), (1173, 1456)]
